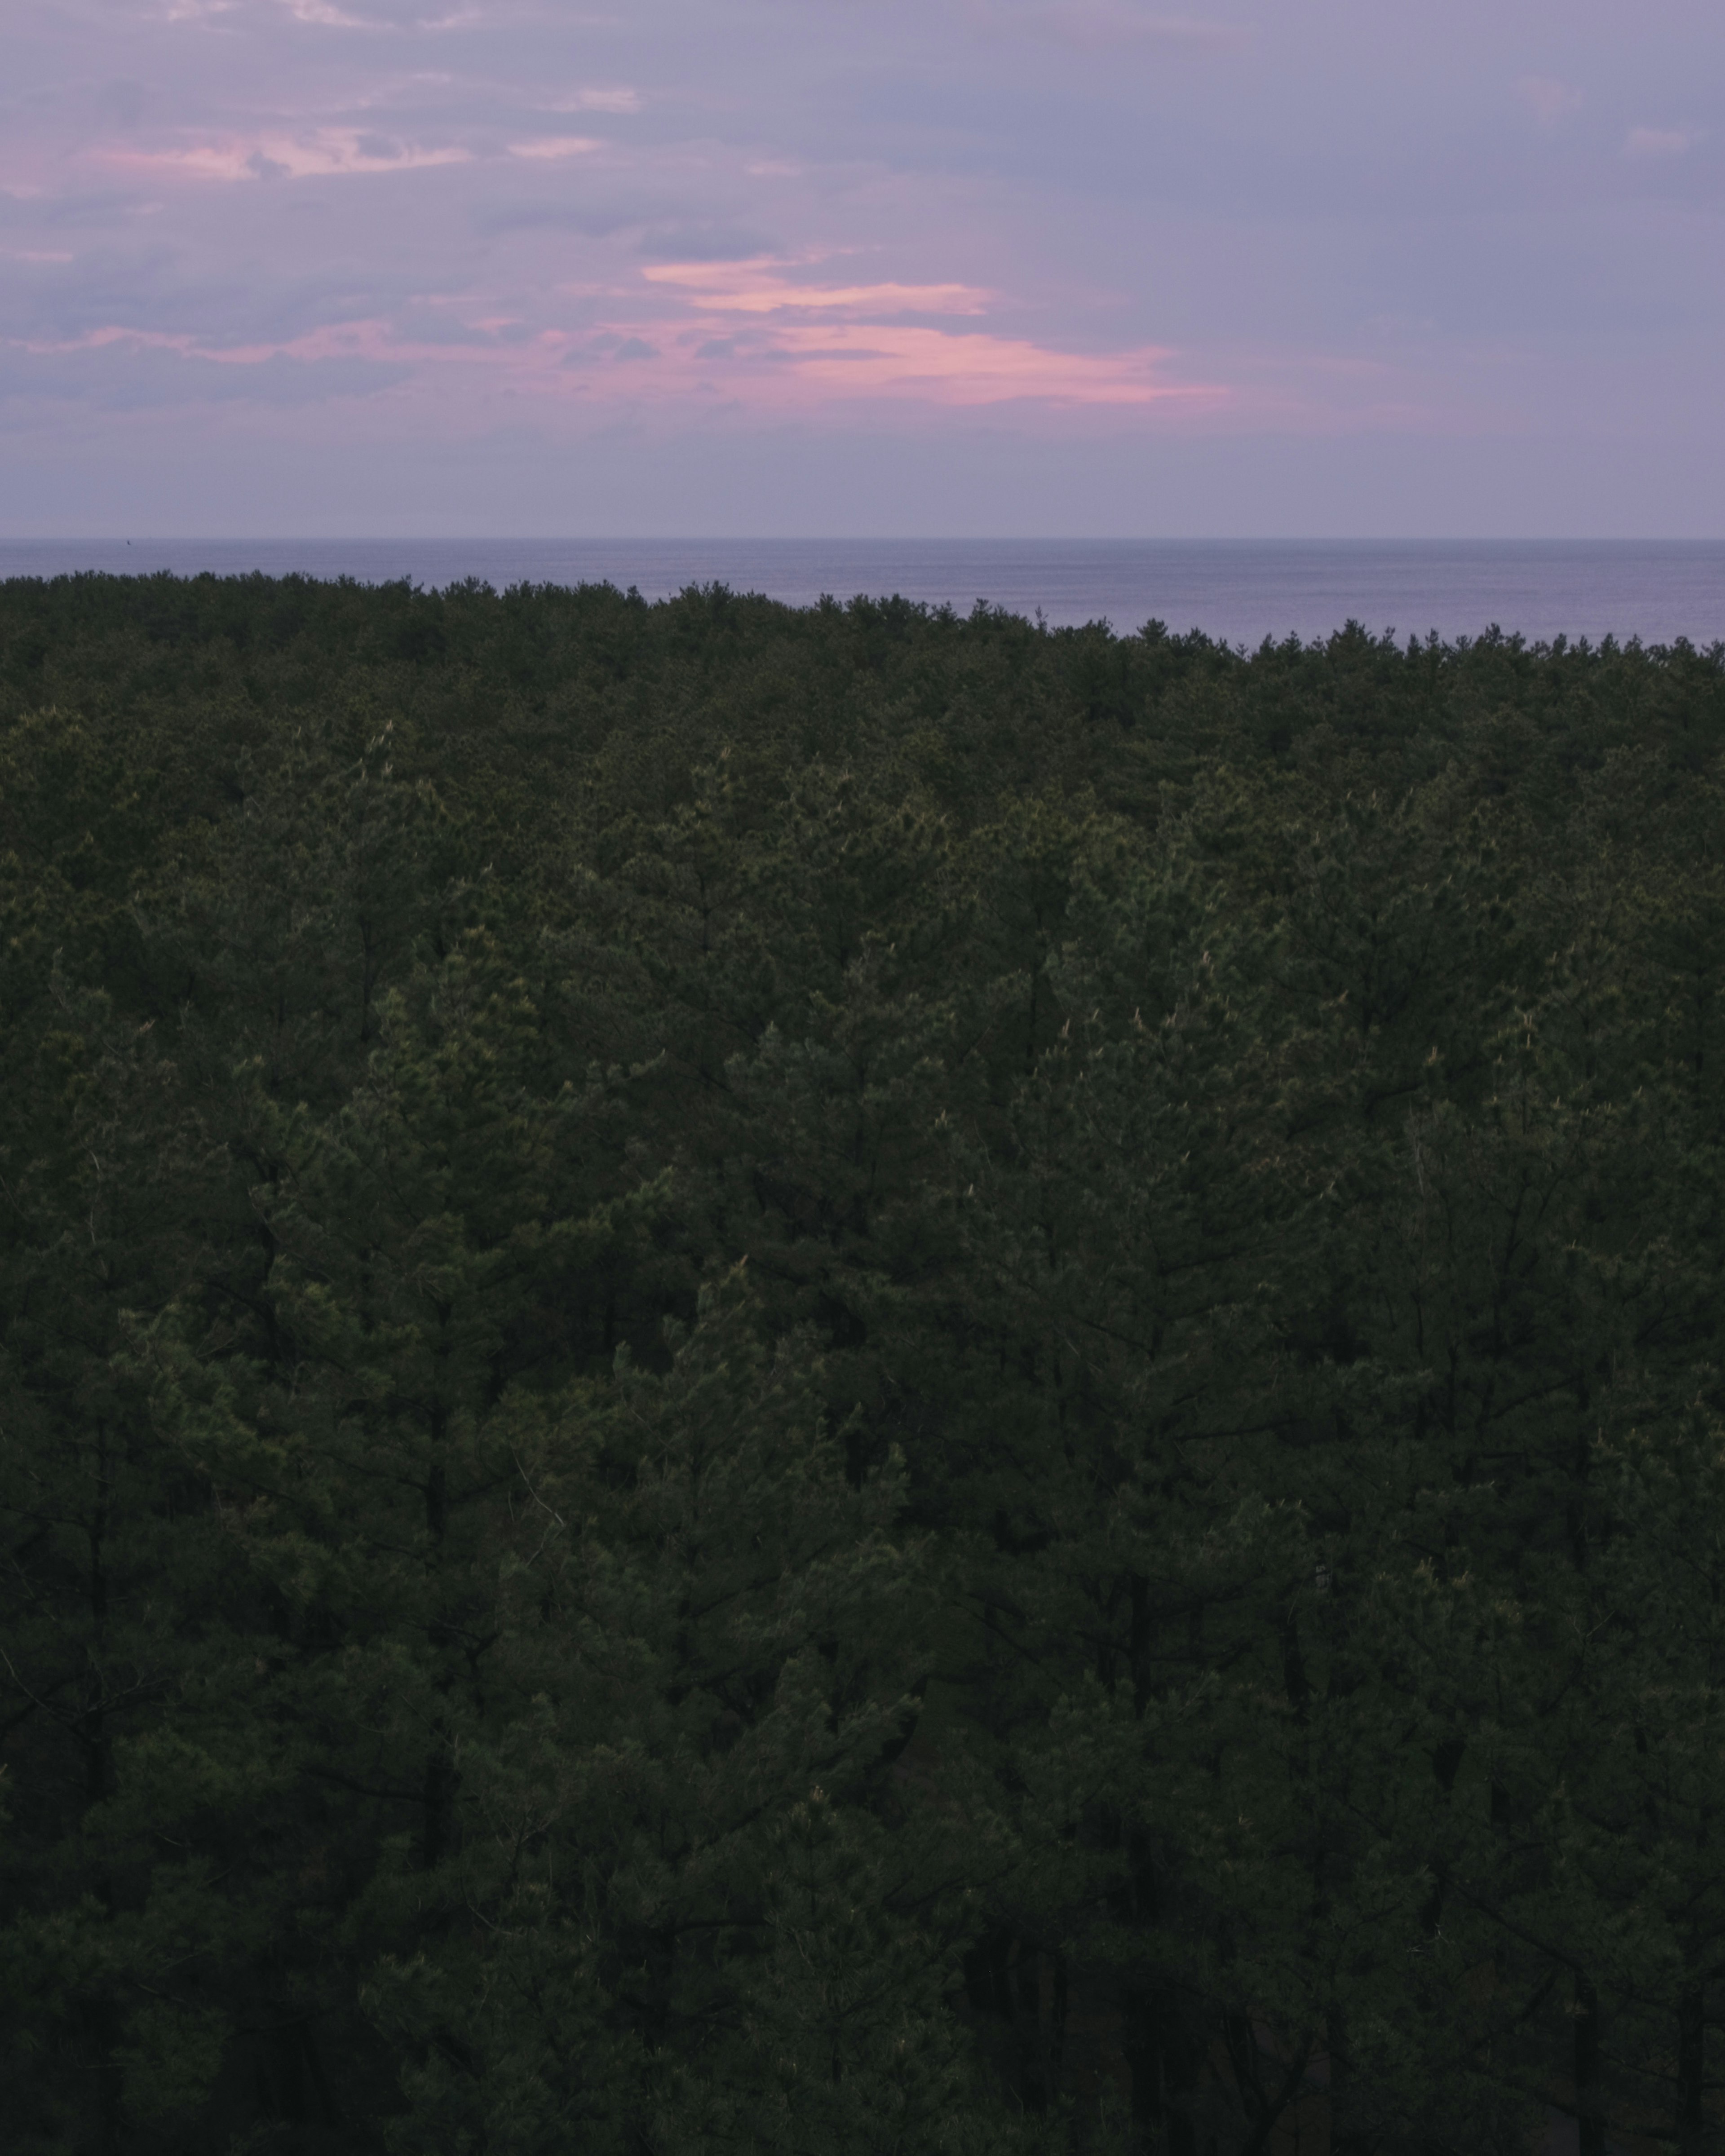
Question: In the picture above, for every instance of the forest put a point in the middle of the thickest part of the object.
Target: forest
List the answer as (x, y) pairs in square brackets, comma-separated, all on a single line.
[(854, 1382)]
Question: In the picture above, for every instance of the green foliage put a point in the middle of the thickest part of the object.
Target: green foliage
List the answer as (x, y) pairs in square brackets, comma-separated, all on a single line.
[(853, 1381)]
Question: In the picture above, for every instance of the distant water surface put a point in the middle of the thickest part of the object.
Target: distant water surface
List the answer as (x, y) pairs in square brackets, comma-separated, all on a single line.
[(1242, 590)]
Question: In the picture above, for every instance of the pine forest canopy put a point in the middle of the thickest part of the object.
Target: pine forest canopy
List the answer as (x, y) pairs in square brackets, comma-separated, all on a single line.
[(852, 1381)]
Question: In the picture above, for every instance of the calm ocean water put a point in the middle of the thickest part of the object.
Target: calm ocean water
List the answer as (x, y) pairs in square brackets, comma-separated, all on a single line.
[(1243, 590)]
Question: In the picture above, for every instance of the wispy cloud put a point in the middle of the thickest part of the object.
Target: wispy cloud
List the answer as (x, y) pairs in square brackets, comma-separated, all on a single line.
[(555, 145), (197, 11), (316, 152), (325, 16), (760, 288), (120, 370), (859, 346), (1550, 100), (595, 100), (940, 366), (1659, 141), (682, 333)]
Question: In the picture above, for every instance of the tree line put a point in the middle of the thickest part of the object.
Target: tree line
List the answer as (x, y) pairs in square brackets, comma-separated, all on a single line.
[(853, 1380)]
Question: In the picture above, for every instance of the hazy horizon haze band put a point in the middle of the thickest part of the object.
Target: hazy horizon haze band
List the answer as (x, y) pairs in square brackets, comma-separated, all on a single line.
[(1240, 590)]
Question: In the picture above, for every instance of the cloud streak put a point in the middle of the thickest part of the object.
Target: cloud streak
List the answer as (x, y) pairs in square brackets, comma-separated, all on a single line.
[(939, 366), (317, 153), (760, 288), (596, 100), (776, 358), (1659, 141), (1550, 100), (548, 148), (127, 372)]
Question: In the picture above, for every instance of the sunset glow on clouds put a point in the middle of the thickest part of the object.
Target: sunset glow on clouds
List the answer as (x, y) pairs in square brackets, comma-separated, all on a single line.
[(773, 365), (859, 343), (318, 153), (762, 288), (1077, 246)]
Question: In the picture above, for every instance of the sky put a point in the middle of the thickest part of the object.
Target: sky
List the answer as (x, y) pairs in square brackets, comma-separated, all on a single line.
[(1022, 268)]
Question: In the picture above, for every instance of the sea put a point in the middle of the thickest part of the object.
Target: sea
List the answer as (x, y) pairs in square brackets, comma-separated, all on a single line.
[(1240, 590)]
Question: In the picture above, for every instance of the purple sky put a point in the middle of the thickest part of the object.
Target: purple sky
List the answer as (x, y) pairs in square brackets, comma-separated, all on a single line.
[(1025, 267)]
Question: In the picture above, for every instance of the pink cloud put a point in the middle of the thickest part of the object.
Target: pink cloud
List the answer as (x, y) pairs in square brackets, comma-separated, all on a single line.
[(802, 363), (325, 16), (555, 145), (1549, 99), (757, 288), (316, 152), (871, 352), (596, 100), (1659, 141), (973, 368)]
